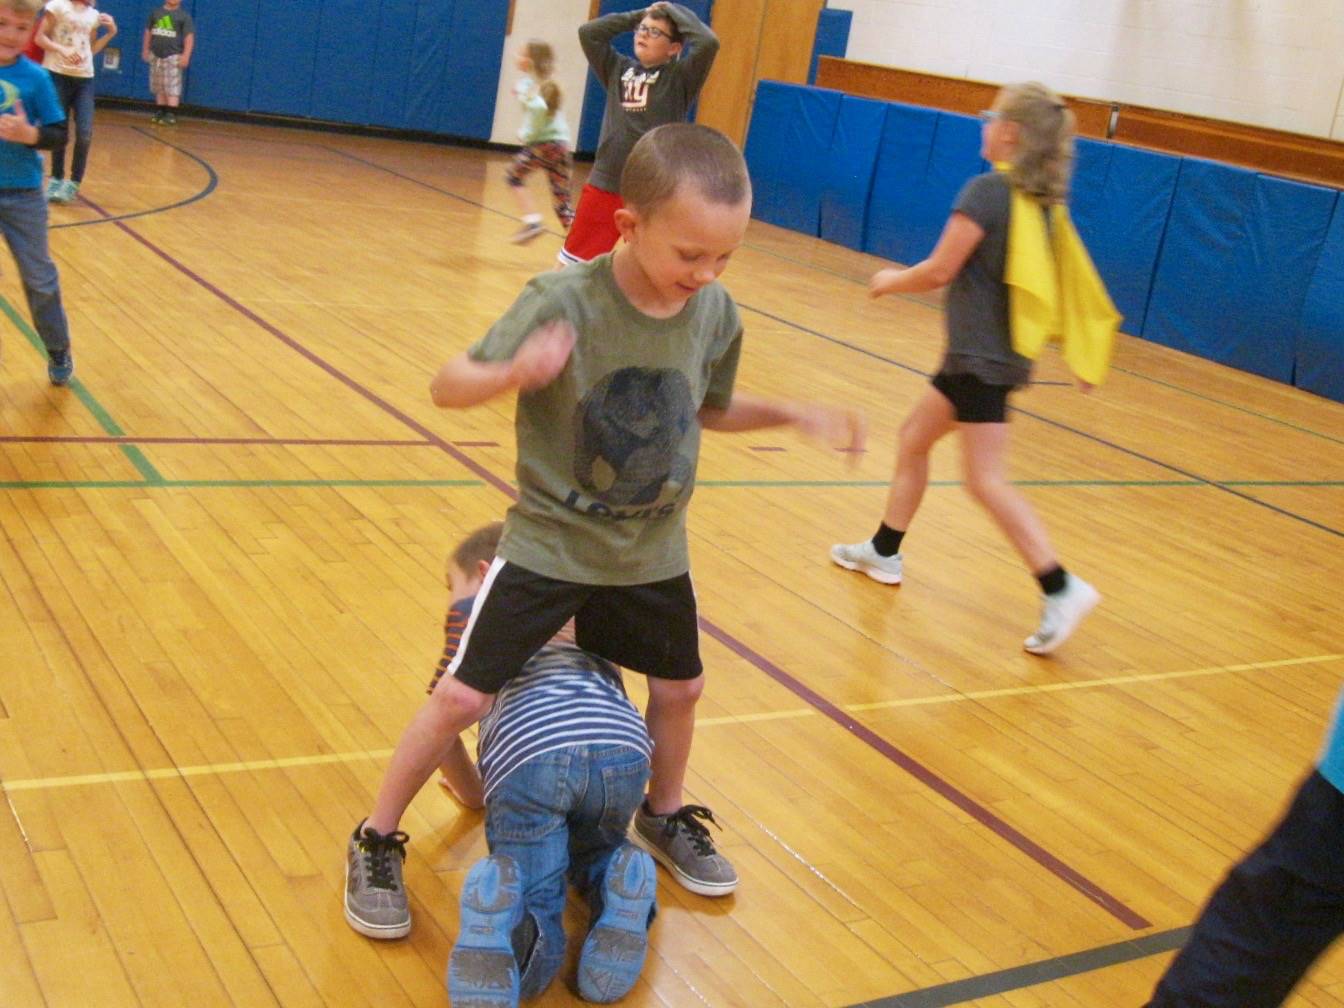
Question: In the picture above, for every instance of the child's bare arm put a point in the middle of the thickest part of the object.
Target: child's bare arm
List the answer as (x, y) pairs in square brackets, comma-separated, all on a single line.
[(187, 47), (959, 239), (596, 36), (840, 428), (462, 776), (463, 382), (98, 44)]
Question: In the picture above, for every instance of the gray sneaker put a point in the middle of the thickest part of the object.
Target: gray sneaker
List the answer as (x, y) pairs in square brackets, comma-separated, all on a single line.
[(375, 897), (1060, 615), (861, 556), (685, 848)]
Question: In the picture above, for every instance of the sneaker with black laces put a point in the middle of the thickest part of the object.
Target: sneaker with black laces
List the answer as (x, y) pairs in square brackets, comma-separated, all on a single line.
[(682, 843), (375, 896), (483, 967), (864, 557), (614, 951), (1060, 615), (61, 368)]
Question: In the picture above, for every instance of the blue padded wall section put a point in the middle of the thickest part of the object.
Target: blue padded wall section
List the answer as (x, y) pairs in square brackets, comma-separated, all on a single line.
[(595, 94), (787, 150), (392, 68), (475, 51), (220, 75), (832, 37), (344, 77), (131, 78), (850, 162), (283, 57), (1320, 335), (924, 160), (429, 86), (1120, 201), (1236, 262)]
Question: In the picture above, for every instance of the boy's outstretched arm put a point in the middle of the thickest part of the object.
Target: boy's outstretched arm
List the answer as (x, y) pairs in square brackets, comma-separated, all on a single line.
[(463, 381), (696, 36), (596, 36), (842, 429), (462, 776)]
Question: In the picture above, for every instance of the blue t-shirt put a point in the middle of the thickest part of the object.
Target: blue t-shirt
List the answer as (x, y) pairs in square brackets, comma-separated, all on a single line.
[(1332, 760), (21, 166)]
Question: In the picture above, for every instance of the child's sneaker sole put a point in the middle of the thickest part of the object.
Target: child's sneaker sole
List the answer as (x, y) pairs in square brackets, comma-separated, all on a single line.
[(482, 970), (614, 951)]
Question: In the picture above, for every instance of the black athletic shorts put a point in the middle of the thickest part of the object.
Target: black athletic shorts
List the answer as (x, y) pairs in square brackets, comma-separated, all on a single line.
[(973, 400), (650, 628)]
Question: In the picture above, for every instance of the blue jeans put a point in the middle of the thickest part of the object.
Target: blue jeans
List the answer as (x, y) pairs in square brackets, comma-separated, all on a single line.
[(563, 814), (1272, 917), (76, 97), (23, 221)]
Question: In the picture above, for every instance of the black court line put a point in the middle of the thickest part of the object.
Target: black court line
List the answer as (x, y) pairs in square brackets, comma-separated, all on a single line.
[(989, 985), (212, 180)]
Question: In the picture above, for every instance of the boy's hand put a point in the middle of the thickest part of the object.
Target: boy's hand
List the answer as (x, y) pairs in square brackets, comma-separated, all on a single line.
[(542, 356), (844, 430), (15, 126), (107, 21), (146, 55), (883, 282)]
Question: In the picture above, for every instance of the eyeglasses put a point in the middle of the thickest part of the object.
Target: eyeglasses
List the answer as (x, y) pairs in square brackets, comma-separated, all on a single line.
[(652, 32)]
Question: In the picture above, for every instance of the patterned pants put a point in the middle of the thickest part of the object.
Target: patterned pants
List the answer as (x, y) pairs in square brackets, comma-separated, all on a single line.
[(552, 158)]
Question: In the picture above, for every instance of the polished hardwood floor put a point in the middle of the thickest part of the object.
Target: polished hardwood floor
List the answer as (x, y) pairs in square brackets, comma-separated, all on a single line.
[(221, 593)]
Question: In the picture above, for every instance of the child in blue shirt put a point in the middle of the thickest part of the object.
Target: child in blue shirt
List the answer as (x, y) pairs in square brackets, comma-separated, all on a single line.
[(31, 119)]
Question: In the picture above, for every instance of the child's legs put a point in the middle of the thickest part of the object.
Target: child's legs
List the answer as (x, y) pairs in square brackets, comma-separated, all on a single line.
[(1273, 915), (80, 108), (527, 819), (23, 220), (521, 166), (515, 613), (931, 418), (984, 459), (653, 628), (66, 88), (598, 827), (558, 164)]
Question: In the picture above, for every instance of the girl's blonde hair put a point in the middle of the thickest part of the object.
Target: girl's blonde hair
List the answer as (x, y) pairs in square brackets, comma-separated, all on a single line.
[(542, 57), (1043, 161)]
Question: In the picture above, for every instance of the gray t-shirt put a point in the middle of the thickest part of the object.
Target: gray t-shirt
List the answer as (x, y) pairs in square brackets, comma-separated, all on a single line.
[(607, 452), (979, 340), (168, 31), (640, 98)]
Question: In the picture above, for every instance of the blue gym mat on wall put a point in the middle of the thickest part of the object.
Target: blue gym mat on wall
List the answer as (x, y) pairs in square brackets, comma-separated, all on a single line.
[(850, 163), (787, 151)]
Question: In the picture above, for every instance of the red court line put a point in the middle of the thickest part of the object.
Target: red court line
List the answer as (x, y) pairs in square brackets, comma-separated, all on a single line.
[(127, 439), (926, 776)]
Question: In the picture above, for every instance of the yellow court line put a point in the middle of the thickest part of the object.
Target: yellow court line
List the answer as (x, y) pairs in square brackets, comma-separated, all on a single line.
[(177, 773)]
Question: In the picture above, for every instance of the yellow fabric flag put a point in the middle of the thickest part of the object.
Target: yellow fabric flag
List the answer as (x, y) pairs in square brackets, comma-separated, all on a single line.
[(1055, 292)]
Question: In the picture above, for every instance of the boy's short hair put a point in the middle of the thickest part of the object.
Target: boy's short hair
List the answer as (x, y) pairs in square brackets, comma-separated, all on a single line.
[(672, 31), (678, 152), (481, 545), (23, 6)]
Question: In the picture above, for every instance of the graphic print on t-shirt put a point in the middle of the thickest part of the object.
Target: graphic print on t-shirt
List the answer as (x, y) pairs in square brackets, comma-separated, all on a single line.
[(635, 84), (628, 436)]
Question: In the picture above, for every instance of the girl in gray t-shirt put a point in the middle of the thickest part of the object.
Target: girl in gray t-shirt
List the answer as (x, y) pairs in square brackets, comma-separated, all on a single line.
[(1029, 129)]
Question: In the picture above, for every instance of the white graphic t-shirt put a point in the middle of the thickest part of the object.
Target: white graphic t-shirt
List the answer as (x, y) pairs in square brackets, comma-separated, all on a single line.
[(70, 24)]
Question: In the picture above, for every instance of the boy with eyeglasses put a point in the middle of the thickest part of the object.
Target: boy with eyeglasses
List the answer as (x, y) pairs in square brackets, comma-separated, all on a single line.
[(657, 87)]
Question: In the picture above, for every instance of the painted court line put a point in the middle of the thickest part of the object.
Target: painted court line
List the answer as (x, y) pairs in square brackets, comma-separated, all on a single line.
[(989, 985)]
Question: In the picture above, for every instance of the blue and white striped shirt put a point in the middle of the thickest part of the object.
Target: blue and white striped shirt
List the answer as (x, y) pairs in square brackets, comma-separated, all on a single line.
[(564, 696)]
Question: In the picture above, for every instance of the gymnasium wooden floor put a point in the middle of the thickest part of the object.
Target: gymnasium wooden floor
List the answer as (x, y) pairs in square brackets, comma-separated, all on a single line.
[(221, 594)]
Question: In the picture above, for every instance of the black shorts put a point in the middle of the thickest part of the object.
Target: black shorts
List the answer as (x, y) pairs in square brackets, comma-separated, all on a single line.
[(973, 400), (650, 628)]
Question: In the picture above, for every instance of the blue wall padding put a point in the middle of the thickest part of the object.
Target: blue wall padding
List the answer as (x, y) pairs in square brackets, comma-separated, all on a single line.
[(1120, 201), (475, 51), (283, 58), (1238, 257), (429, 86), (343, 76), (220, 75), (787, 150), (924, 160), (850, 163), (595, 94), (391, 67), (1320, 335), (832, 37)]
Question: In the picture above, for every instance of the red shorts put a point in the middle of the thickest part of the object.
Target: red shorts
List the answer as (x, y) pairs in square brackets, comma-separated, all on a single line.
[(594, 229)]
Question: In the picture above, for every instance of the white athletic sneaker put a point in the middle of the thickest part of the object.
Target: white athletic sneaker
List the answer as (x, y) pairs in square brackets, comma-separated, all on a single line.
[(1060, 615), (861, 556)]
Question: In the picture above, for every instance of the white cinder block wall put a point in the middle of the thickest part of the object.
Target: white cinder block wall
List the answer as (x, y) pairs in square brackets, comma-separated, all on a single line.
[(1276, 63), (556, 22)]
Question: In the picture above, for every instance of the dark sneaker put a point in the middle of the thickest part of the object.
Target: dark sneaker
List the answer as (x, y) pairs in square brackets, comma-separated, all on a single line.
[(375, 897), (61, 368), (483, 969), (169, 119), (613, 953), (683, 844), (157, 117)]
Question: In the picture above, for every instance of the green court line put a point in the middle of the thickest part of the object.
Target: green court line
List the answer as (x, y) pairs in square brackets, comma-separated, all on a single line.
[(170, 484), (137, 458)]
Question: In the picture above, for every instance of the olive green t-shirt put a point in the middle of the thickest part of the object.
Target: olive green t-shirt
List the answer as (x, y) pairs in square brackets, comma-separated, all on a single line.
[(607, 452)]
